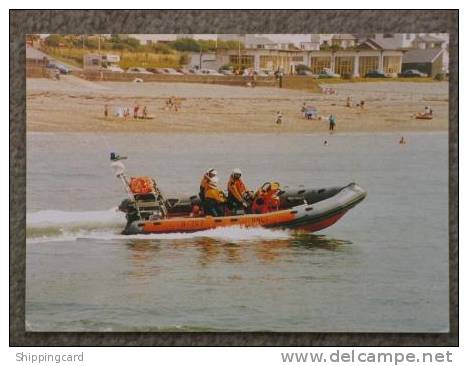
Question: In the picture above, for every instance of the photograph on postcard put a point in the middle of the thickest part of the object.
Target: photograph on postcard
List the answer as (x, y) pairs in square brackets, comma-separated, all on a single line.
[(237, 182)]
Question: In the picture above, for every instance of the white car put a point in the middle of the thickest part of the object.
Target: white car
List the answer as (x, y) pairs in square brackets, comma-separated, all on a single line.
[(262, 73), (138, 70), (226, 72), (114, 69)]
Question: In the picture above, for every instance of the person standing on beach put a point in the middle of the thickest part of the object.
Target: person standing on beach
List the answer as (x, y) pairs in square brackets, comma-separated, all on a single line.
[(428, 111), (279, 118), (106, 110), (332, 123), (145, 112), (135, 111), (348, 102)]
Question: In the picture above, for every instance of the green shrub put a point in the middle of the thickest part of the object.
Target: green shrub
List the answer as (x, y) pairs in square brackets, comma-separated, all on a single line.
[(440, 76), (186, 44), (55, 40), (227, 67)]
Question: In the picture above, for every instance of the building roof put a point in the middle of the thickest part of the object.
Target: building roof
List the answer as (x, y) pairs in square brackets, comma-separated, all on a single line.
[(418, 55), (372, 44), (315, 38), (258, 40), (386, 43), (344, 36), (428, 39)]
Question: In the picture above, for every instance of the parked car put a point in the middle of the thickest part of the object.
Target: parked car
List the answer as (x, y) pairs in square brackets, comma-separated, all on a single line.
[(154, 70), (226, 72), (268, 72), (114, 69), (262, 73), (412, 74), (169, 71), (375, 74), (138, 70), (209, 72), (185, 71), (326, 74), (60, 67), (305, 73)]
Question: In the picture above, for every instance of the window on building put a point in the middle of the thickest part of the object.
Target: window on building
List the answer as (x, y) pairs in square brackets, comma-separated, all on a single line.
[(274, 62), (344, 65), (245, 61), (388, 35), (367, 64), (298, 58), (408, 36), (268, 62), (318, 63), (392, 64)]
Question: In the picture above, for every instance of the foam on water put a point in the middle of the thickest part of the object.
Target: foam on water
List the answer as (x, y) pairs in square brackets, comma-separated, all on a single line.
[(236, 233), (51, 225), (53, 217)]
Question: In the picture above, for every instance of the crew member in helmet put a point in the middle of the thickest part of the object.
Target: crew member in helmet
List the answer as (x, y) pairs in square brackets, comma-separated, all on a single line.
[(211, 196), (266, 198), (237, 192)]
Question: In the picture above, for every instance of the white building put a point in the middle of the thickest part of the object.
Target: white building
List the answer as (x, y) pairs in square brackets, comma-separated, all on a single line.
[(410, 41), (154, 38), (311, 44)]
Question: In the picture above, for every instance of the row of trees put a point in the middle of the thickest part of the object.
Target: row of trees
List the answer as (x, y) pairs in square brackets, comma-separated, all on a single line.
[(124, 43)]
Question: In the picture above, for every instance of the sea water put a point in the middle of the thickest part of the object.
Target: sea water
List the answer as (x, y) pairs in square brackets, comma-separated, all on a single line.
[(382, 268)]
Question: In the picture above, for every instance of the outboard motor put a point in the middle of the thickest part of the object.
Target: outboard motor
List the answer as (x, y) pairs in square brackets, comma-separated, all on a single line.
[(145, 200)]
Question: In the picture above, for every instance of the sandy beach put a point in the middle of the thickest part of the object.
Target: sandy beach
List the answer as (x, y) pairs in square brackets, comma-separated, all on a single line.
[(76, 105)]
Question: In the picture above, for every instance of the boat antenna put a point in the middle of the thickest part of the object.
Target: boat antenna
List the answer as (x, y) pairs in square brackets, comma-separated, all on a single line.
[(119, 171)]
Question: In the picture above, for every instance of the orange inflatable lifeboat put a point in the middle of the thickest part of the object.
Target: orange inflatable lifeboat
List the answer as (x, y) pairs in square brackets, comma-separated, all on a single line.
[(304, 209)]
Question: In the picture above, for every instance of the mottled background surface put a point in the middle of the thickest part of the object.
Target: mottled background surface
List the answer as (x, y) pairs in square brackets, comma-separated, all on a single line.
[(202, 21)]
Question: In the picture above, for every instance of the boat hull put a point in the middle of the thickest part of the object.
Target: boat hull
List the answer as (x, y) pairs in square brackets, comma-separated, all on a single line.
[(308, 217)]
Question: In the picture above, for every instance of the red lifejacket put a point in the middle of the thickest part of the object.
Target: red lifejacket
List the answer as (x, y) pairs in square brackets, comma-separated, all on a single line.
[(266, 199)]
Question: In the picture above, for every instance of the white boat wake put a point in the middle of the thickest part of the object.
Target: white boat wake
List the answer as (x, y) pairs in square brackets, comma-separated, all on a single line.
[(66, 226)]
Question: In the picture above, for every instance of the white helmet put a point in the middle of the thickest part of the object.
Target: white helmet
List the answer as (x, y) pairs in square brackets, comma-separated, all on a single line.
[(215, 179), (236, 171), (212, 172)]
